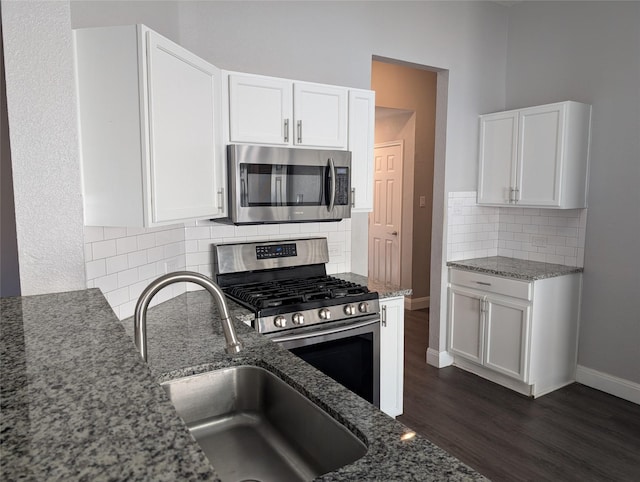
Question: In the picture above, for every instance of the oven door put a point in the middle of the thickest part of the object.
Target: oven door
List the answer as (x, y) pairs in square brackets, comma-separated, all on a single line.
[(270, 184), (348, 353)]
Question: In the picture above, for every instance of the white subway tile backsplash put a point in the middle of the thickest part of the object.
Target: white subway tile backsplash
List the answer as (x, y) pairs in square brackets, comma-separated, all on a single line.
[(114, 233), (95, 269), (126, 245), (117, 263), (548, 235), (93, 234), (104, 249), (122, 261), (146, 241), (107, 283), (147, 271), (137, 258)]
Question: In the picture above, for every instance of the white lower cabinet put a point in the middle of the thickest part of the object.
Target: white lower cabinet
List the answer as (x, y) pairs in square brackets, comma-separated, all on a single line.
[(391, 355), (520, 334)]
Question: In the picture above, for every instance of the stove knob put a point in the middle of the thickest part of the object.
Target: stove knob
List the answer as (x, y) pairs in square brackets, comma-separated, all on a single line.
[(349, 310), (298, 319), (324, 314), (280, 321), (363, 307)]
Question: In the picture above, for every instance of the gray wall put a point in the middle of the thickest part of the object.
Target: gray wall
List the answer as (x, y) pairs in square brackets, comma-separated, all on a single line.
[(590, 52), (9, 271)]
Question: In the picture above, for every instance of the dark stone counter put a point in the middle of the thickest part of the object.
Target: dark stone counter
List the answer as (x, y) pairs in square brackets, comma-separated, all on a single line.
[(514, 268), (78, 403)]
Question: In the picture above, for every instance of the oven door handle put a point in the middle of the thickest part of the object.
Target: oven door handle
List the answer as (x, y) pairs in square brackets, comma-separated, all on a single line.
[(328, 331)]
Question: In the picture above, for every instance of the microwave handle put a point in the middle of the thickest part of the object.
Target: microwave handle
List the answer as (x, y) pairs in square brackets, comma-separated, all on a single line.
[(332, 185)]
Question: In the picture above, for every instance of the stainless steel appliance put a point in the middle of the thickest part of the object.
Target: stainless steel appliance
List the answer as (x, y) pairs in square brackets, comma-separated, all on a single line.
[(331, 323), (284, 185)]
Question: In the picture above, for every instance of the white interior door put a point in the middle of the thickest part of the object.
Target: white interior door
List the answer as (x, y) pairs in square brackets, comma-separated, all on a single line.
[(385, 221)]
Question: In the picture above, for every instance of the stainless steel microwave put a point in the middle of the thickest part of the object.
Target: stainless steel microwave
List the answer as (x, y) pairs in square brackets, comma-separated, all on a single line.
[(288, 185)]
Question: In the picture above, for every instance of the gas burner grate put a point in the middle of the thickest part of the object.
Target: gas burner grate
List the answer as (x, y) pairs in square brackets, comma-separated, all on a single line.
[(285, 292)]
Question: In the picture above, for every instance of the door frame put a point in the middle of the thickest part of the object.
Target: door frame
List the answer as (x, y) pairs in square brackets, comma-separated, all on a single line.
[(399, 143)]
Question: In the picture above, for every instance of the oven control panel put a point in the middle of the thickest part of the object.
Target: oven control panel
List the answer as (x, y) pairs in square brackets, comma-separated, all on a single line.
[(340, 312), (276, 251)]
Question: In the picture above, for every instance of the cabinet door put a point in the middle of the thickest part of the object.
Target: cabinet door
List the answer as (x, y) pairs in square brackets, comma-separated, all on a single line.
[(320, 113), (497, 157), (183, 114), (540, 148), (466, 324), (260, 109), (392, 356), (507, 337), (362, 114)]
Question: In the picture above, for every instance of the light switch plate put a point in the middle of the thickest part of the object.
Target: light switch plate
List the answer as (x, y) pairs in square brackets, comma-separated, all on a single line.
[(423, 201)]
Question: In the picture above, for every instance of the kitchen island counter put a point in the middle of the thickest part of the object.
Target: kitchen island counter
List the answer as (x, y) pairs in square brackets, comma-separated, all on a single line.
[(78, 402)]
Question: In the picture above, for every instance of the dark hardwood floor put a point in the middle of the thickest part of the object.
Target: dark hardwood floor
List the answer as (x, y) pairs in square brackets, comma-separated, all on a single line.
[(573, 434)]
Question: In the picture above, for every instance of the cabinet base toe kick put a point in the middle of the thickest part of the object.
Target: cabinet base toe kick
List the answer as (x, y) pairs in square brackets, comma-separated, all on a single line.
[(533, 390)]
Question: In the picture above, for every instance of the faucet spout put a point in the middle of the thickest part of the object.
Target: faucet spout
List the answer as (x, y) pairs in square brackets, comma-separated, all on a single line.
[(140, 317)]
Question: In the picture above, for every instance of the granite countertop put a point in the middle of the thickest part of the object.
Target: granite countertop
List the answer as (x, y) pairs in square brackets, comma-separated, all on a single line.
[(384, 291), (78, 402), (514, 268)]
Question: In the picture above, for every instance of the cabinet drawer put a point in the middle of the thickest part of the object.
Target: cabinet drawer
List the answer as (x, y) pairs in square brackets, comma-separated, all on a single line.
[(491, 284)]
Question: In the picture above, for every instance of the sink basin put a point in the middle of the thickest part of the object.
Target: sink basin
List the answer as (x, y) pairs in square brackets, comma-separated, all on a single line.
[(253, 426)]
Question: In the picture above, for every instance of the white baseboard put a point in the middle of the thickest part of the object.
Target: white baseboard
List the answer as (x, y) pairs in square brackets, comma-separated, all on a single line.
[(416, 303), (604, 382), (439, 359)]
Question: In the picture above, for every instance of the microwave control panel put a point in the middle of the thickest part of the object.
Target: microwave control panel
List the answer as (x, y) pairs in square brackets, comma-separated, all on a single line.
[(342, 186)]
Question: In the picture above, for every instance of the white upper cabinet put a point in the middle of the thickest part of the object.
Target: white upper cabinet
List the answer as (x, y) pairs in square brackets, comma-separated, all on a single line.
[(260, 109), (535, 157), (267, 110), (362, 114), (320, 114), (150, 123)]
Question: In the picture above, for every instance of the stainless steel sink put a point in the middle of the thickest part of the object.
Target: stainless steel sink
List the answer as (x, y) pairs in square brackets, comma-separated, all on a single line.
[(253, 426)]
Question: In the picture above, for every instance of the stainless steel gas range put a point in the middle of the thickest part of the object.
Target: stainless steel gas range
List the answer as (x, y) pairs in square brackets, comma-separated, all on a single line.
[(331, 323)]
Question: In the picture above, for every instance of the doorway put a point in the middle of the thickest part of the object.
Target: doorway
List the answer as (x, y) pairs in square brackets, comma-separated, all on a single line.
[(405, 113)]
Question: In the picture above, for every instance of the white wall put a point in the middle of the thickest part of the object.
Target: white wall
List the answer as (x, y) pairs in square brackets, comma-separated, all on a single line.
[(41, 105), (590, 52)]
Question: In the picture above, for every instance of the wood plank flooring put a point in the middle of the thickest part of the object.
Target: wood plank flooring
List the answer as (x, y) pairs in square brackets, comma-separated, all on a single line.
[(573, 434)]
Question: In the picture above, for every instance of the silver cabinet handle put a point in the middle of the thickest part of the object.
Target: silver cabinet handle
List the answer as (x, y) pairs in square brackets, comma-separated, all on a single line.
[(383, 317), (511, 195), (516, 195), (221, 199), (484, 283), (353, 197), (286, 130), (299, 132)]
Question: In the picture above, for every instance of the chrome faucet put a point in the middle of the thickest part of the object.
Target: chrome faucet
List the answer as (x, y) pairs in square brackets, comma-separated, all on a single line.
[(140, 317)]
